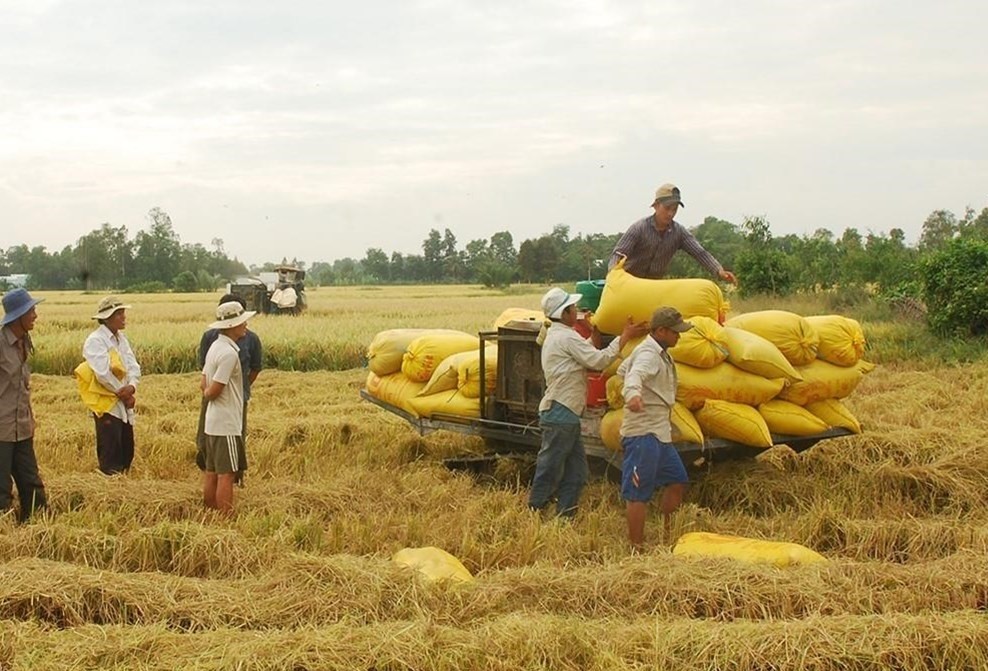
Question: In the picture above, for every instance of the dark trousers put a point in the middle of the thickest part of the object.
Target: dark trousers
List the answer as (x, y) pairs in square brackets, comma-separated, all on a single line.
[(17, 462), (114, 444)]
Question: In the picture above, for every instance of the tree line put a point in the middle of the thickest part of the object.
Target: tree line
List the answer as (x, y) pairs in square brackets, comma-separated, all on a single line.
[(156, 259)]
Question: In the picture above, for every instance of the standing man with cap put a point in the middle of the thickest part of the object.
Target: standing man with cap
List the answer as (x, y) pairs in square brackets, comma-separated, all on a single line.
[(17, 458), (650, 459), (251, 362), (561, 465), (223, 388), (648, 246), (108, 353)]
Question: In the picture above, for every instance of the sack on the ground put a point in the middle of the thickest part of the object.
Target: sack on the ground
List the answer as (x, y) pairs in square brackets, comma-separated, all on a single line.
[(733, 421), (446, 403), (790, 419), (427, 351), (701, 346), (835, 413), (822, 380), (842, 341), (434, 563), (724, 382), (750, 550), (752, 353), (790, 332), (624, 295)]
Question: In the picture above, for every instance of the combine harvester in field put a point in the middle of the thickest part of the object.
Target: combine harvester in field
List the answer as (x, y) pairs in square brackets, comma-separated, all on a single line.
[(279, 292), (754, 381)]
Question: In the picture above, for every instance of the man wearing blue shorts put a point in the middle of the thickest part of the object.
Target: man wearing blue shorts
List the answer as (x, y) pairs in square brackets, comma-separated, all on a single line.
[(650, 459)]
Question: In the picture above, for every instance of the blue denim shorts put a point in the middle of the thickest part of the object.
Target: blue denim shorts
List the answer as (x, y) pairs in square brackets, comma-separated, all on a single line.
[(649, 464)]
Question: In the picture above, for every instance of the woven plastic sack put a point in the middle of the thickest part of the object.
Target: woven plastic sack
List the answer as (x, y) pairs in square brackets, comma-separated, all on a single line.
[(446, 375), (733, 421), (386, 350), (626, 351), (724, 382), (835, 413), (701, 346), (625, 295), (468, 372), (792, 334), (842, 341), (518, 315), (685, 428), (752, 353), (396, 390), (610, 429), (822, 380), (427, 351), (749, 550), (434, 563), (446, 403), (790, 419), (94, 395)]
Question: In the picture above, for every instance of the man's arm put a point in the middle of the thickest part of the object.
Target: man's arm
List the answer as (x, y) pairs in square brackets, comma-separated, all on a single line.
[(627, 247), (256, 356), (692, 246), (213, 389), (645, 364)]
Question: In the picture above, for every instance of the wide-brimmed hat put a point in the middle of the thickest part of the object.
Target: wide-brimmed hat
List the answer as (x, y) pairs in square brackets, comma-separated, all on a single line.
[(556, 300), (669, 318), (668, 193), (108, 306), (231, 314), (17, 303)]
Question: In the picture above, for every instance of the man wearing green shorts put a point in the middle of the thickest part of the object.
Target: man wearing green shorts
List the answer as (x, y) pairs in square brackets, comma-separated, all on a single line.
[(223, 388)]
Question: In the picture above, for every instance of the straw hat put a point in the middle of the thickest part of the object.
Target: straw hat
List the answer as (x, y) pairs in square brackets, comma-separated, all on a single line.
[(108, 306), (231, 314)]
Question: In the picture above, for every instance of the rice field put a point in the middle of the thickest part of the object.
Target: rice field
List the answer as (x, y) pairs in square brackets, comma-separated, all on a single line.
[(130, 572)]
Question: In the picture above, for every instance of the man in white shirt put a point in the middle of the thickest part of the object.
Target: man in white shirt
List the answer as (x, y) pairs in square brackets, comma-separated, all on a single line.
[(650, 459), (561, 465), (112, 360), (222, 386)]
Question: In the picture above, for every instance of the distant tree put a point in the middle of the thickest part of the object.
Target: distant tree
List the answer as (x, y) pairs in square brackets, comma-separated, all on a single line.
[(955, 287), (376, 265), (158, 250), (938, 229), (185, 282), (432, 254), (763, 267)]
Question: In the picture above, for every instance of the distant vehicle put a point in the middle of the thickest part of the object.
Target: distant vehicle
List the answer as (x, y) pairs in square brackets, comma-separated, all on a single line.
[(278, 292)]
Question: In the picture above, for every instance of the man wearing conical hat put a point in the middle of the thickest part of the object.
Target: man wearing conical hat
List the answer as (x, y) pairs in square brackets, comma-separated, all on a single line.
[(17, 459), (222, 386), (109, 354)]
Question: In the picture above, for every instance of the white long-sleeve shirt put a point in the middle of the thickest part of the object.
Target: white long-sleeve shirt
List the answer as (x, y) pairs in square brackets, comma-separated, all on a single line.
[(566, 358), (649, 372), (96, 351)]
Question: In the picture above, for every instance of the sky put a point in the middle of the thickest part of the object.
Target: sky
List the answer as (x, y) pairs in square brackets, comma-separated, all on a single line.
[(317, 130)]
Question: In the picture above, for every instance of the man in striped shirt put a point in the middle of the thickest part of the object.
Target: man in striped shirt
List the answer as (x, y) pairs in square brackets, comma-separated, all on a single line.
[(648, 246)]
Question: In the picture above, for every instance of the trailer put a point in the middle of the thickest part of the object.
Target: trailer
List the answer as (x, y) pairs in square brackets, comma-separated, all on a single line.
[(508, 420)]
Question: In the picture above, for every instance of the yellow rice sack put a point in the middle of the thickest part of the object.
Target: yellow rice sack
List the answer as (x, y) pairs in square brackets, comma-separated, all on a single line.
[(427, 351), (625, 294), (445, 377), (610, 429), (842, 341), (518, 315), (446, 403), (396, 390), (468, 372), (434, 563), (628, 348), (749, 550), (752, 353), (791, 333), (373, 383), (733, 421), (835, 413), (822, 380), (724, 382), (685, 428), (615, 392), (701, 346), (790, 419), (387, 348)]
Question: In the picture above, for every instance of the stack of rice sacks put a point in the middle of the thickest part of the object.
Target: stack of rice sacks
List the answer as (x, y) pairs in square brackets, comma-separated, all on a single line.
[(744, 379), (430, 371)]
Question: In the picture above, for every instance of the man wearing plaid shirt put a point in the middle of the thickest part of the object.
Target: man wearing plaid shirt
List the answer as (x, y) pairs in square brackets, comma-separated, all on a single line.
[(649, 245)]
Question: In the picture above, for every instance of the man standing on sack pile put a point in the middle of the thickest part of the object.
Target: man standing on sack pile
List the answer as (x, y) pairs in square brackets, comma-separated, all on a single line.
[(651, 460), (648, 246), (109, 355), (561, 465), (17, 458)]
